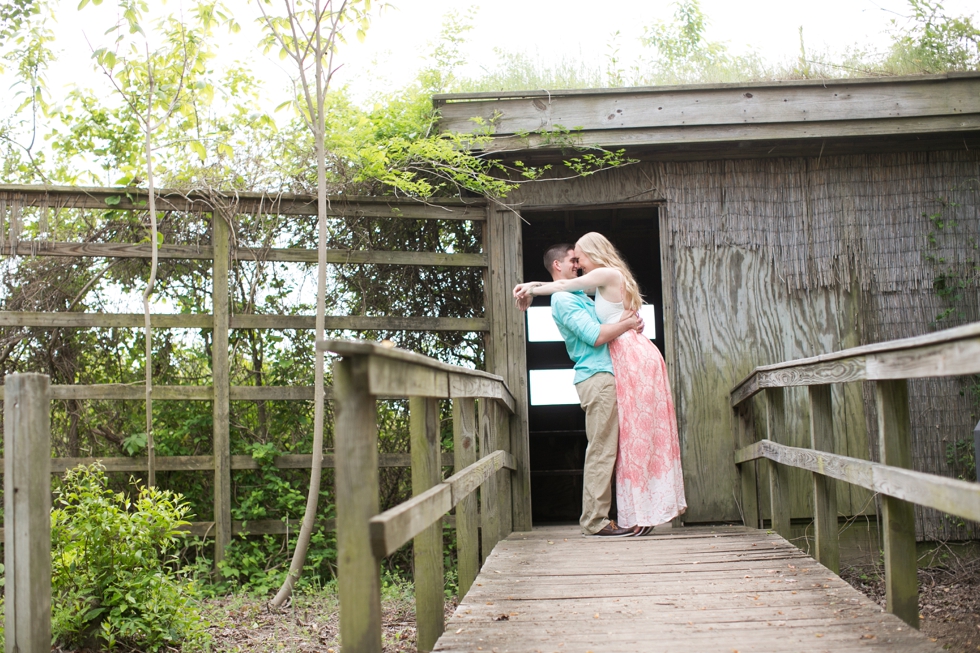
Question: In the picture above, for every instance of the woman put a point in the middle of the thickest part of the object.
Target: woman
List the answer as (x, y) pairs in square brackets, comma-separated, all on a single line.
[(649, 479)]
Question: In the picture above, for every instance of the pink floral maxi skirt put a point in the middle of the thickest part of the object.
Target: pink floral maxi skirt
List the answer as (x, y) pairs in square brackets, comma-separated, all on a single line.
[(649, 478)]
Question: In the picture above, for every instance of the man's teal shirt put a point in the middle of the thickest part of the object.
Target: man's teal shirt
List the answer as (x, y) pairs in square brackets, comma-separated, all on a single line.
[(574, 314)]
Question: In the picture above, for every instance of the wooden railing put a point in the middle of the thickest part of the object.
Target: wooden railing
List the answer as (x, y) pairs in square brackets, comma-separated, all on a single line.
[(364, 537), (952, 352)]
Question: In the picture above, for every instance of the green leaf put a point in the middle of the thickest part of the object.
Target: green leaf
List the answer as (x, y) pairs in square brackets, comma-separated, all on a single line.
[(113, 200)]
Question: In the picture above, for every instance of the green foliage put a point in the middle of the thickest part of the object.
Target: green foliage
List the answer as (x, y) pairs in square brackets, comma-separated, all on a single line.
[(115, 573), (934, 42), (961, 458)]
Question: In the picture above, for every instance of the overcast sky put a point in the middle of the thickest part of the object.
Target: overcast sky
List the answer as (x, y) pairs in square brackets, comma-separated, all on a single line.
[(547, 30)]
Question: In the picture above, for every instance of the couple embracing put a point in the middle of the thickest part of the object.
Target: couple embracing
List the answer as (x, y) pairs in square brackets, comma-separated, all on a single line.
[(622, 384)]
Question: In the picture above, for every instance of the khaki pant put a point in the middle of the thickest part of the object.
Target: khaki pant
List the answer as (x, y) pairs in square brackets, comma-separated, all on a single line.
[(597, 395)]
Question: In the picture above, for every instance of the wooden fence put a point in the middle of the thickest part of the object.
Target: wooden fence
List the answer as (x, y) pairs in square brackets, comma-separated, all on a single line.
[(365, 537), (225, 251), (888, 365)]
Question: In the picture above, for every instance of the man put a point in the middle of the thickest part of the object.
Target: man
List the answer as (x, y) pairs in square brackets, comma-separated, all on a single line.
[(585, 341)]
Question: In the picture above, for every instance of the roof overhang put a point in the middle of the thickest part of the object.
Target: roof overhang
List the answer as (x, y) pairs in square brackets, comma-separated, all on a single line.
[(757, 119)]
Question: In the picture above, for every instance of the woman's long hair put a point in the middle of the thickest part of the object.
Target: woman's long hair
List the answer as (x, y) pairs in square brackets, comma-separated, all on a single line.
[(602, 252)]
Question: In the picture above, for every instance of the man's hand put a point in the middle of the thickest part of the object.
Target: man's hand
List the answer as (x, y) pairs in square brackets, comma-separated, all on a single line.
[(634, 318)]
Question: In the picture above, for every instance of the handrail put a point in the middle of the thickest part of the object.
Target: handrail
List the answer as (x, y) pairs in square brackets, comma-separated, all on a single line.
[(365, 373), (951, 352)]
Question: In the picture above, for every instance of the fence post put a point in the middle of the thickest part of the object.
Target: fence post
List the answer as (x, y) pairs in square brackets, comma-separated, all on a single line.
[(507, 426), (220, 383), (778, 474), (467, 526), (747, 471), (356, 490), (427, 548), (824, 488), (27, 513), (898, 517), (489, 495)]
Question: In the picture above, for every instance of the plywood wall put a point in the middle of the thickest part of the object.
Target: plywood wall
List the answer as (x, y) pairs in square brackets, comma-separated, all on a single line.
[(775, 259)]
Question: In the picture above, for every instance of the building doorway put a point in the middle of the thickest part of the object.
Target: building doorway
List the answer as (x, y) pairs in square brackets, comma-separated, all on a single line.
[(556, 422)]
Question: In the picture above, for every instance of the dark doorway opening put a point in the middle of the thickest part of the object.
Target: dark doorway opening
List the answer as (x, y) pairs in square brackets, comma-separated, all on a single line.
[(557, 430)]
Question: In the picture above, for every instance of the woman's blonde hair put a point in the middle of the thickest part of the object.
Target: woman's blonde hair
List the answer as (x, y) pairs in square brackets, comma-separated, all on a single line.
[(602, 252)]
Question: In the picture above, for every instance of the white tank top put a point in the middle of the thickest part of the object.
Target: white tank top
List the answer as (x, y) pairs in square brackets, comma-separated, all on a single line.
[(606, 311)]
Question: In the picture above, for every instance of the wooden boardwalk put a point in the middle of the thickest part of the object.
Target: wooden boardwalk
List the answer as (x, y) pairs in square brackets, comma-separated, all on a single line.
[(688, 589)]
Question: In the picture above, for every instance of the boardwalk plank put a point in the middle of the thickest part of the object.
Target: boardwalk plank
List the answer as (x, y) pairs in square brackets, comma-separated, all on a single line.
[(705, 589)]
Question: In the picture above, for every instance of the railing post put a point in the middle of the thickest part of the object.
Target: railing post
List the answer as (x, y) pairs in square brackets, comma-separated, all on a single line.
[(426, 473), (220, 383), (747, 471), (507, 426), (898, 517), (27, 513), (824, 488), (356, 448), (778, 474), (489, 494), (467, 526)]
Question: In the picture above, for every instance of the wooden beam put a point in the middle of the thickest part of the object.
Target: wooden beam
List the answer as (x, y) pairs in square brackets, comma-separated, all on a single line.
[(467, 517), (356, 478), (489, 492), (950, 495), (191, 252), (206, 321), (897, 515), (430, 582), (134, 199), (393, 528), (824, 489), (779, 488), (204, 463), (221, 384), (126, 392), (747, 471), (27, 512), (953, 352)]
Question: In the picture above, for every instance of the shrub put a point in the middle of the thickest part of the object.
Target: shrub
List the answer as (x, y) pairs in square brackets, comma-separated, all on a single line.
[(115, 576)]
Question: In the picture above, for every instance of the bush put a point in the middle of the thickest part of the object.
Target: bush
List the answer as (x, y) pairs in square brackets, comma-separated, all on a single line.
[(115, 576)]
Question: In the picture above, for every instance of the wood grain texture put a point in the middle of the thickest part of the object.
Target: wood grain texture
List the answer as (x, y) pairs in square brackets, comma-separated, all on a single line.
[(824, 490), (467, 516), (489, 493), (897, 516), (700, 110), (953, 496), (221, 384), (748, 470), (356, 479), (779, 488), (427, 547), (693, 589), (27, 513), (134, 199)]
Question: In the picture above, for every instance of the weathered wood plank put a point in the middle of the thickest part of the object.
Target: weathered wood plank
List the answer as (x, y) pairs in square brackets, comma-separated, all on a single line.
[(747, 471), (393, 528), (191, 252), (950, 352), (221, 383), (134, 199), (489, 494), (897, 516), (427, 548), (356, 480), (696, 109), (360, 323), (205, 321), (779, 491), (364, 347), (468, 386), (403, 379), (824, 489), (956, 497), (27, 514), (467, 517)]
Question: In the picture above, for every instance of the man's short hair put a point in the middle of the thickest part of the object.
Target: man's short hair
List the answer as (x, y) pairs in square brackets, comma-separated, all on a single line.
[(556, 252)]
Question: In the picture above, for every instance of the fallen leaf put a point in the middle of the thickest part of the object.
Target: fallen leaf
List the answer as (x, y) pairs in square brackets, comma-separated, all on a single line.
[(819, 634), (595, 616), (459, 631), (502, 617), (869, 636)]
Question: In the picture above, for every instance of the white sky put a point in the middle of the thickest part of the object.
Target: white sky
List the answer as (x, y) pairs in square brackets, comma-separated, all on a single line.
[(548, 31)]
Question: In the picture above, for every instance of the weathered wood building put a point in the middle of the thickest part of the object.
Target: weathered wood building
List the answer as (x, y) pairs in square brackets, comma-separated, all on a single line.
[(765, 222)]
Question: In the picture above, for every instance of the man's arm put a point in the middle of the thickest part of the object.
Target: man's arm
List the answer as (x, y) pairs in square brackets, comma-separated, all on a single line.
[(609, 332)]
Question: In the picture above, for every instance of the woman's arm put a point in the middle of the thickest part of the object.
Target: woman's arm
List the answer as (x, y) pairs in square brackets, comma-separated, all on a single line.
[(598, 278)]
